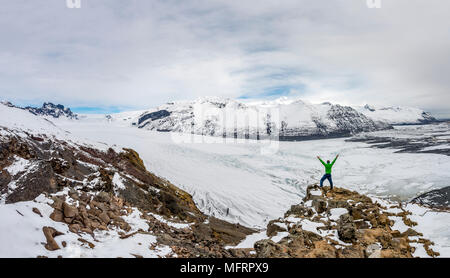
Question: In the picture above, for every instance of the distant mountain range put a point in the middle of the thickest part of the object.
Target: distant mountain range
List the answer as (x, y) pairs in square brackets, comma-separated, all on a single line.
[(288, 119), (282, 119)]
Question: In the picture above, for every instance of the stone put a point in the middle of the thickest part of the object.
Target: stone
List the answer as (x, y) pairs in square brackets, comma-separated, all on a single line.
[(103, 197), (375, 255), (69, 211), (354, 251), (372, 248), (346, 228), (50, 234), (36, 210), (319, 204), (57, 216), (273, 228), (74, 228), (104, 218)]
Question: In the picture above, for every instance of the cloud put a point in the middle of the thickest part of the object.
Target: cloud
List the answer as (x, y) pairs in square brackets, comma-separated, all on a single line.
[(143, 53)]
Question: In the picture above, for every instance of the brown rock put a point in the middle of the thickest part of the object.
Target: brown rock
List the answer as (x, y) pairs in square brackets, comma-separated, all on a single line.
[(36, 210), (68, 220), (90, 244), (354, 251), (103, 197), (346, 228), (273, 228), (50, 234), (322, 250), (104, 218), (57, 216), (69, 211), (319, 204), (74, 228)]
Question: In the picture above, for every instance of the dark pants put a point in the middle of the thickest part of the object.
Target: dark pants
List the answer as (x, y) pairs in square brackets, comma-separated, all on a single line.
[(326, 177)]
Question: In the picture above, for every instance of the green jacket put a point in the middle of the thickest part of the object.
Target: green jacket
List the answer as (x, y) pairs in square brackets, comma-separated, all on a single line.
[(328, 166)]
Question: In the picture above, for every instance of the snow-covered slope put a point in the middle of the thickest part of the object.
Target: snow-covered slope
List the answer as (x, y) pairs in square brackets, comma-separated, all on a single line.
[(397, 115), (283, 119)]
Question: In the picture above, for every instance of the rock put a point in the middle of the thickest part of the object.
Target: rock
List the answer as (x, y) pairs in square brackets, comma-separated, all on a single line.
[(50, 234), (269, 249), (273, 228), (372, 248), (74, 228), (411, 232), (36, 210), (346, 228), (104, 218), (103, 197), (354, 251), (319, 204), (90, 244), (336, 204), (68, 220), (375, 255), (322, 250), (57, 216), (69, 211)]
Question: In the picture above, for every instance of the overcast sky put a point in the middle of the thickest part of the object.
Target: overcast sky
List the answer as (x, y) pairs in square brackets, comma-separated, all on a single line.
[(119, 54)]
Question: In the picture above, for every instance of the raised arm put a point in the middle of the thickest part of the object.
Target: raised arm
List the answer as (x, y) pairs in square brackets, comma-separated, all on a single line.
[(332, 163), (321, 160)]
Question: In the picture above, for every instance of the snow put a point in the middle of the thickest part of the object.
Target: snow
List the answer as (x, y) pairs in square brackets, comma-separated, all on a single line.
[(19, 165), (279, 236), (434, 226), (399, 225), (393, 115), (336, 213), (22, 236), (117, 182), (250, 240), (171, 224)]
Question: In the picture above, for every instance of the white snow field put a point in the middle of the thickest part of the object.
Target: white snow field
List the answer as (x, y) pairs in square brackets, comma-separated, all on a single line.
[(237, 183)]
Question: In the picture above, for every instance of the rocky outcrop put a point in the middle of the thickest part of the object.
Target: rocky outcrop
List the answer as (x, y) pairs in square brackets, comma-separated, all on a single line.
[(47, 109), (438, 199), (340, 223)]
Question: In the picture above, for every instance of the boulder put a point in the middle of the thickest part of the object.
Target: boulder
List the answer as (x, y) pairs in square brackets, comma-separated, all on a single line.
[(346, 228), (273, 228), (319, 204), (104, 218), (373, 248), (69, 211), (50, 234)]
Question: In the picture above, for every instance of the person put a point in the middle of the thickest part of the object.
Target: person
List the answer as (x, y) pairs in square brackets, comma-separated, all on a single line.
[(327, 175)]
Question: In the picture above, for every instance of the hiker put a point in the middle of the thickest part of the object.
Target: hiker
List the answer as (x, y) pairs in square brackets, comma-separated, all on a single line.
[(327, 175)]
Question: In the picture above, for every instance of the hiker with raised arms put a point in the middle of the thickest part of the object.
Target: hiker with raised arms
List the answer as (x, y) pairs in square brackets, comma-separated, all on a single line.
[(327, 175)]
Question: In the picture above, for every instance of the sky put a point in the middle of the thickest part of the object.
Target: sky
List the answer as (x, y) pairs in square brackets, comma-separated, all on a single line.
[(115, 55)]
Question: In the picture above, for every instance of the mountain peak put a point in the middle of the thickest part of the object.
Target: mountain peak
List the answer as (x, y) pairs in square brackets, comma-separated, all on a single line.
[(53, 110)]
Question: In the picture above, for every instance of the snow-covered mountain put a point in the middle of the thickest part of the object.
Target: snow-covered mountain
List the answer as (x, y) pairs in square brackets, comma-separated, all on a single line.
[(397, 115), (48, 109), (290, 120)]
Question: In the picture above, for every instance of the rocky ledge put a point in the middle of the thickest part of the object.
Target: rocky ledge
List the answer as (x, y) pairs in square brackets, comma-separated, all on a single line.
[(340, 223)]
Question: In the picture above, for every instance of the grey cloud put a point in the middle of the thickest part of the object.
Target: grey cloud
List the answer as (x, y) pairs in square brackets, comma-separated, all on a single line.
[(143, 53)]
